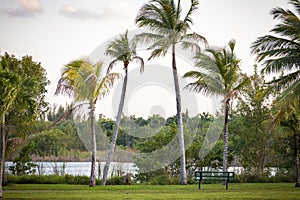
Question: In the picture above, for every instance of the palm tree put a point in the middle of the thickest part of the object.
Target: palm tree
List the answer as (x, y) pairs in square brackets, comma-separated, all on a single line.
[(10, 87), (22, 88), (122, 50), (84, 81), (13, 91), (287, 116), (164, 19), (218, 74), (281, 51)]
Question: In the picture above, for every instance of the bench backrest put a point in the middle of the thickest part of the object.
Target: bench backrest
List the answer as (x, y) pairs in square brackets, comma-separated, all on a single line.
[(216, 175)]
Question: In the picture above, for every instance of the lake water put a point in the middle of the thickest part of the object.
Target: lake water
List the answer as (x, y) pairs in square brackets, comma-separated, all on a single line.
[(84, 168), (81, 168)]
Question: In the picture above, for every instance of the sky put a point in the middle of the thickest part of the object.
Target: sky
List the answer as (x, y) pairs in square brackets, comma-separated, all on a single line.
[(55, 32)]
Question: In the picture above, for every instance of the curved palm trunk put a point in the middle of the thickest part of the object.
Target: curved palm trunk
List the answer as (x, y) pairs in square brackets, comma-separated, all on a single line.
[(116, 129), (183, 179), (2, 150), (94, 146), (296, 139), (225, 151)]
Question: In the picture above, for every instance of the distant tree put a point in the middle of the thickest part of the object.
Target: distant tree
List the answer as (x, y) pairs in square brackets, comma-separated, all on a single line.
[(85, 82), (22, 100), (254, 141), (22, 163)]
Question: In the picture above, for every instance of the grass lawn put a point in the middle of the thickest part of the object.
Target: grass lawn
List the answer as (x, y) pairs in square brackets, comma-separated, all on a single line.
[(208, 191)]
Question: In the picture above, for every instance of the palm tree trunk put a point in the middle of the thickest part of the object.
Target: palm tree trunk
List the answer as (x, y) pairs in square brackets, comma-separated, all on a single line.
[(296, 140), (225, 151), (116, 129), (94, 146), (183, 179), (2, 150)]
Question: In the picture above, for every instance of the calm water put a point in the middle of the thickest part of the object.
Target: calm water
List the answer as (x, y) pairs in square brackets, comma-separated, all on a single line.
[(80, 168)]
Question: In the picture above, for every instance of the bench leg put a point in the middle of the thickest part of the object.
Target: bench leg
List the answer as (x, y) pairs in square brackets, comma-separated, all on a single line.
[(226, 185)]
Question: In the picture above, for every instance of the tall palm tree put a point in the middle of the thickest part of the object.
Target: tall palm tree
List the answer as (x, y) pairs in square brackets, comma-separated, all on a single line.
[(218, 74), (167, 28), (85, 82), (122, 50), (281, 50)]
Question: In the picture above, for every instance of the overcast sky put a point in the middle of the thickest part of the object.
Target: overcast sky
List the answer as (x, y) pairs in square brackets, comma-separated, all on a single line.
[(57, 32)]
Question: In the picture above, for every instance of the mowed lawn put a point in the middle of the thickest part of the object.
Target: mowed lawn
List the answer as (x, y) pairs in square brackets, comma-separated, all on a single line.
[(208, 191)]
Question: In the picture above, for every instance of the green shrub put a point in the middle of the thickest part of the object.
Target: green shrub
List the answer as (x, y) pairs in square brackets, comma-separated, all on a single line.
[(48, 179), (36, 179), (120, 180), (77, 180), (285, 177), (116, 180), (165, 180)]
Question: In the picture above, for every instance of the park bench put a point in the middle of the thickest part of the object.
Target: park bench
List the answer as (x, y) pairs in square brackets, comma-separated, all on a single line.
[(213, 176)]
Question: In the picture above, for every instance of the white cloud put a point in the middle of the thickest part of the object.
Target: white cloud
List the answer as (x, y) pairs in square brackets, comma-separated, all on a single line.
[(81, 13), (31, 5), (107, 12), (24, 8)]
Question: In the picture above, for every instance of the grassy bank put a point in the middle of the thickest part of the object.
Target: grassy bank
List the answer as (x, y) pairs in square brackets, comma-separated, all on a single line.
[(208, 191)]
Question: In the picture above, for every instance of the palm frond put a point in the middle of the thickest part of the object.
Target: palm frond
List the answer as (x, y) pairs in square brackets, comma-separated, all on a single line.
[(122, 49), (153, 15), (141, 61), (204, 83), (193, 7), (106, 84), (296, 4), (281, 53), (148, 37), (65, 115), (111, 65), (217, 72)]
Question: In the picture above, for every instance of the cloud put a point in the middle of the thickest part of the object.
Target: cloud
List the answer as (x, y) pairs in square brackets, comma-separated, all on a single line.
[(24, 8), (81, 13), (107, 12)]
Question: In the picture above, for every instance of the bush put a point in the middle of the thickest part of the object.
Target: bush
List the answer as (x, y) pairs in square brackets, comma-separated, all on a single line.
[(36, 179), (165, 180), (116, 180), (286, 177), (119, 180), (48, 179), (77, 180)]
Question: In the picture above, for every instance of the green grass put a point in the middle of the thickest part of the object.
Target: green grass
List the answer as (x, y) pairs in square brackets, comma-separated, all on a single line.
[(208, 191)]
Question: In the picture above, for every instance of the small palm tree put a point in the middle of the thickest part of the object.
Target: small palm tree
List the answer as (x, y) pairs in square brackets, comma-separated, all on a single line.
[(169, 28), (122, 50), (84, 81), (281, 51), (218, 74)]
